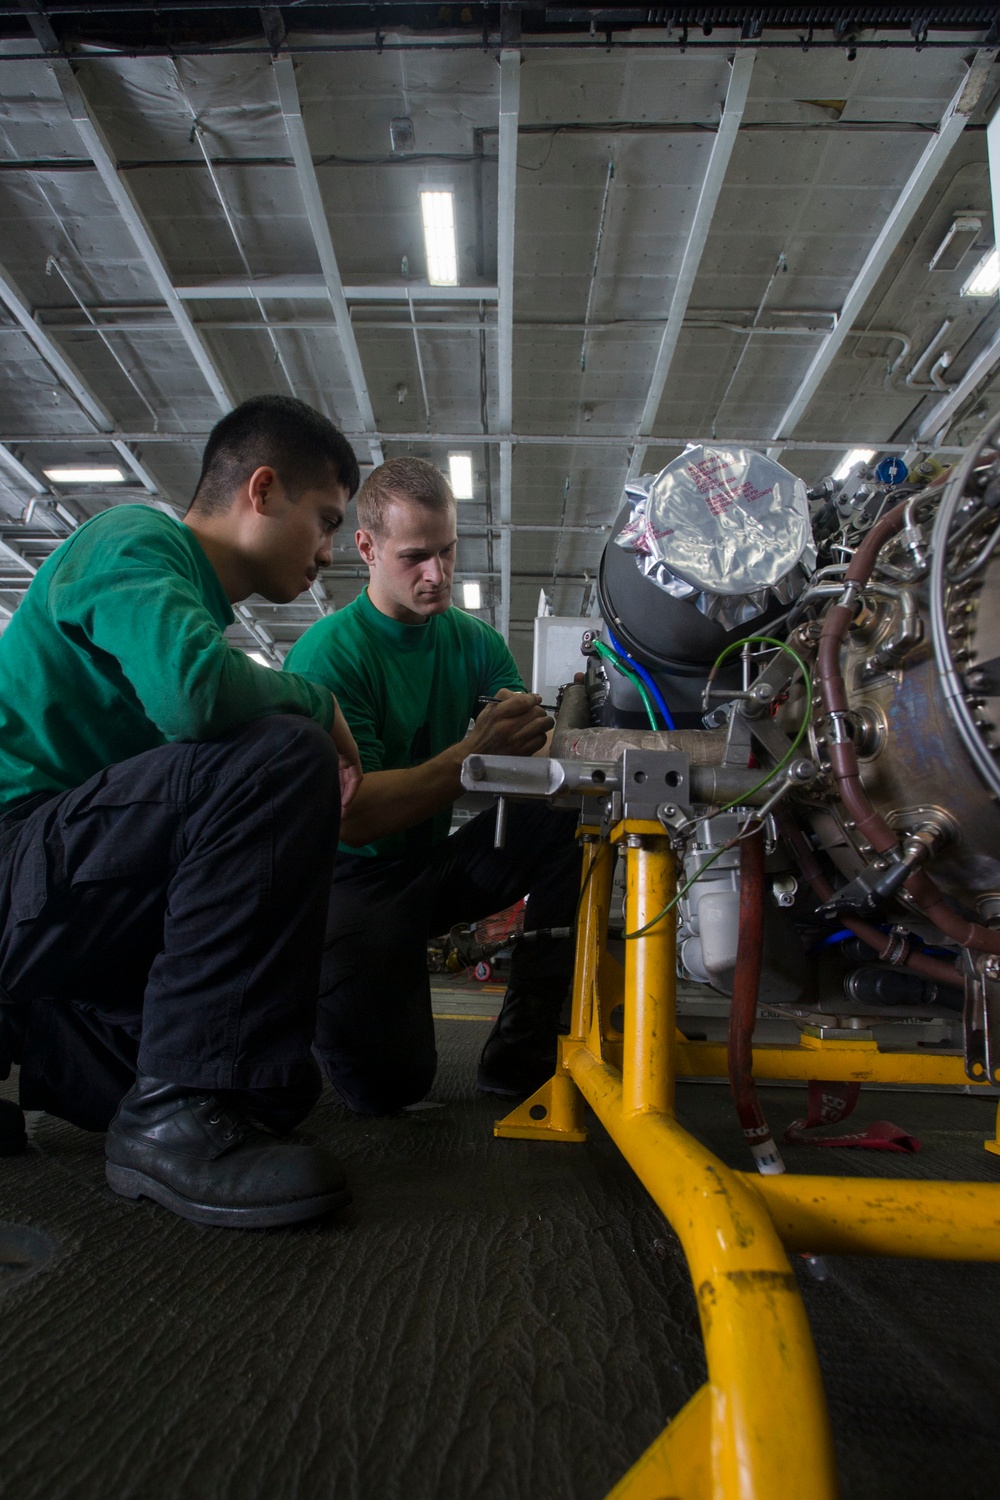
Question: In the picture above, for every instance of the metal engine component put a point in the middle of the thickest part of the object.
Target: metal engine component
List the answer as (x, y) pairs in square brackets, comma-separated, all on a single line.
[(700, 555), (708, 916), (870, 716), (923, 695)]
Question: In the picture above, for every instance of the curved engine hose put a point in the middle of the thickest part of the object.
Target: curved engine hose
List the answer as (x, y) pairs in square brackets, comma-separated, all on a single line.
[(830, 682), (743, 1011), (649, 680), (606, 654), (885, 945), (843, 758)]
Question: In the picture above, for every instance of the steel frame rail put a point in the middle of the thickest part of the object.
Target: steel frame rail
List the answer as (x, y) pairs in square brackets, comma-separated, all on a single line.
[(732, 1440)]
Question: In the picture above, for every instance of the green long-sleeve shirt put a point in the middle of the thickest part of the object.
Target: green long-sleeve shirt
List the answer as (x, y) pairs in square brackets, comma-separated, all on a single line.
[(406, 691), (118, 647)]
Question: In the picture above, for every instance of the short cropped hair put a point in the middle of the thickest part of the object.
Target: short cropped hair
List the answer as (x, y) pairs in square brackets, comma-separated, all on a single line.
[(302, 446), (412, 479)]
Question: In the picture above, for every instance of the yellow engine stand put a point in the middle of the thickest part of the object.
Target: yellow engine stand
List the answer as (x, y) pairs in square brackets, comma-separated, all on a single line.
[(758, 1429)]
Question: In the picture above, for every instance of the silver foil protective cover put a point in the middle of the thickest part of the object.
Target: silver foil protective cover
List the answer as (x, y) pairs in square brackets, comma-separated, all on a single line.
[(726, 528)]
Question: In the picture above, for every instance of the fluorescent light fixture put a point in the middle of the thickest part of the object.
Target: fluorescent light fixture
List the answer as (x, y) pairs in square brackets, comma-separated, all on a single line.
[(472, 596), (437, 207), (985, 279), (85, 476), (460, 469), (856, 456), (259, 656)]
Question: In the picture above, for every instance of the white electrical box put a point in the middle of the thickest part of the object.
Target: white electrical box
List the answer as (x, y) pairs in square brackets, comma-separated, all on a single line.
[(557, 655)]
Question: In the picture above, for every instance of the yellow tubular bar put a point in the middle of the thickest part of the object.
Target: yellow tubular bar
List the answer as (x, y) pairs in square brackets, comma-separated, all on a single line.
[(648, 1068), (844, 1062), (758, 1429), (883, 1216), (769, 1435)]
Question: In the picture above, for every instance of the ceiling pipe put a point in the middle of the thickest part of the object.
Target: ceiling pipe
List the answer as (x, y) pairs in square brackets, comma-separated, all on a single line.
[(918, 185), (939, 418), (912, 380)]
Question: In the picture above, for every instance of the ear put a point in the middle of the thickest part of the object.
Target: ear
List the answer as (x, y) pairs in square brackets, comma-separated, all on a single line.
[(263, 488), (365, 543)]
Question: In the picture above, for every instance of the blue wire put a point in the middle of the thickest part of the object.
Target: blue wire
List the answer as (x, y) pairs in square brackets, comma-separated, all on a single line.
[(658, 698), (836, 937)]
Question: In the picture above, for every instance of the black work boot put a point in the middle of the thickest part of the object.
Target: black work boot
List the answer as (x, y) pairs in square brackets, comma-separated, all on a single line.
[(520, 1051), (210, 1162)]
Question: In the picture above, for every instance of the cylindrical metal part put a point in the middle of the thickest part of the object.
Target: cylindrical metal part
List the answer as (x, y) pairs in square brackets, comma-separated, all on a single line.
[(650, 1028), (573, 711), (714, 785), (500, 832), (704, 747)]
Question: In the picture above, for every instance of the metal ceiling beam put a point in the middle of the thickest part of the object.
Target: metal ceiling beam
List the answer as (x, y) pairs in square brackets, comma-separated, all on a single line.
[(708, 197), (492, 439), (100, 153), (23, 475), (295, 129), (314, 289), (510, 94), (66, 372), (6, 550), (919, 183)]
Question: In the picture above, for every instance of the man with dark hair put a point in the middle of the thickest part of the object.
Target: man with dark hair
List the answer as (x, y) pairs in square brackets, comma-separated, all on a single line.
[(168, 817), (411, 673), (301, 444)]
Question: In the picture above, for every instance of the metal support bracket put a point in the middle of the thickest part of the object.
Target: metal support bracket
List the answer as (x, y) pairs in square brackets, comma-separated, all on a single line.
[(981, 1016), (656, 786), (553, 1113)]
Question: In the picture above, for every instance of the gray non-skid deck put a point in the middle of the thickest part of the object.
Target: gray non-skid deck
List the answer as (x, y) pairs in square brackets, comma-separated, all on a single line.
[(489, 1321)]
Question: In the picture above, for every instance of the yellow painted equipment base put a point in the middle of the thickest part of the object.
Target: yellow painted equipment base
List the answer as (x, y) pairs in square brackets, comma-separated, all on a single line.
[(758, 1428)]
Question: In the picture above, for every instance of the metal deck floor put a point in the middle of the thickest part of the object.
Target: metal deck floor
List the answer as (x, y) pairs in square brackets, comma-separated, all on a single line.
[(489, 1321)]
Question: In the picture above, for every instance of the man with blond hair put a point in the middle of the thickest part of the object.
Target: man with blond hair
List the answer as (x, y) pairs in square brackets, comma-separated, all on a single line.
[(411, 673)]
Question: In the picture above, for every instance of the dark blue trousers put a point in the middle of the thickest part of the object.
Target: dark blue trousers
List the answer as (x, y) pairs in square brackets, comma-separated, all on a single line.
[(375, 1032), (168, 916)]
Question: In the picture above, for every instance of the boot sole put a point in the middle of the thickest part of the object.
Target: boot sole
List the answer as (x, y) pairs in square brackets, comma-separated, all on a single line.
[(129, 1183)]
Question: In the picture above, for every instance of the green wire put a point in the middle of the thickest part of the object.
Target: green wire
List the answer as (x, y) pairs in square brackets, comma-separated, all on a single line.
[(754, 640), (768, 640), (633, 677)]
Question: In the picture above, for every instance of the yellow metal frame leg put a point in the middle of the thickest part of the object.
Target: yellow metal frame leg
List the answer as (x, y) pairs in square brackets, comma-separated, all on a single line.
[(758, 1428), (555, 1111)]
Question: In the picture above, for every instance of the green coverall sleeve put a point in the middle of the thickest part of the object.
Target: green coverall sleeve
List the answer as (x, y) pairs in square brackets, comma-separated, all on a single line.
[(146, 611)]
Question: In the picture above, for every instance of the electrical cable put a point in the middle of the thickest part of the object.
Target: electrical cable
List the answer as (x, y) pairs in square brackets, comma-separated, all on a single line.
[(631, 676), (607, 654), (728, 806), (649, 680)]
